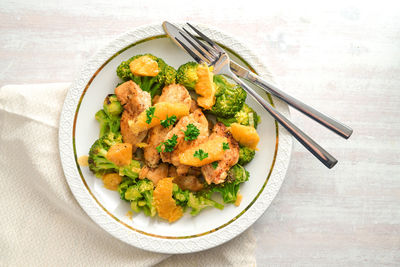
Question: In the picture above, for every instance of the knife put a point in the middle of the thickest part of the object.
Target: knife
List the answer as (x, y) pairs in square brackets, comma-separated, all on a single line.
[(344, 131)]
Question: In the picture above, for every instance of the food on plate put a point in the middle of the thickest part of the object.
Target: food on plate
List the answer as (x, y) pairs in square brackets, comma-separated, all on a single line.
[(205, 87), (229, 98), (245, 135), (166, 206), (187, 75), (217, 171), (246, 116), (159, 145), (148, 83), (112, 180), (204, 153), (157, 114), (246, 154)]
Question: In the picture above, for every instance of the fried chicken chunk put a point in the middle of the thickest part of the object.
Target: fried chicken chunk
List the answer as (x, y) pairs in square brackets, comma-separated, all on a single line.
[(231, 157), (175, 93), (155, 136), (154, 174), (189, 182), (134, 101)]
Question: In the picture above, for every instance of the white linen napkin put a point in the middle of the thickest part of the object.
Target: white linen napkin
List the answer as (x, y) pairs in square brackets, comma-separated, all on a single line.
[(41, 222)]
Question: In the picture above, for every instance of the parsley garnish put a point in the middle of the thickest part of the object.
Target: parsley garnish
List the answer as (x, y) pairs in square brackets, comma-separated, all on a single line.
[(168, 121), (169, 144), (225, 146), (192, 132), (200, 154), (150, 114), (214, 164)]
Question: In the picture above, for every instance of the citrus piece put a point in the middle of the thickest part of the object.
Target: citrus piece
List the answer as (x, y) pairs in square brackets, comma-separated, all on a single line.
[(144, 66), (212, 147), (165, 204), (205, 87), (111, 181), (120, 154), (245, 135), (160, 111)]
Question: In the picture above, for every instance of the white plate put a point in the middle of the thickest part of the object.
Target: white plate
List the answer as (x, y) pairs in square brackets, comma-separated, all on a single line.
[(212, 227)]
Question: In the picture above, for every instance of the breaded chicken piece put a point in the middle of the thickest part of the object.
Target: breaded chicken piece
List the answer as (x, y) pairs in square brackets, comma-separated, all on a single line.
[(155, 136), (200, 121), (188, 182), (193, 106), (127, 135), (175, 93), (154, 174), (134, 100), (231, 157)]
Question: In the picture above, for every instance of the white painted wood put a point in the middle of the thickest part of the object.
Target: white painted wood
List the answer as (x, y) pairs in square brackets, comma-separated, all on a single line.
[(342, 58)]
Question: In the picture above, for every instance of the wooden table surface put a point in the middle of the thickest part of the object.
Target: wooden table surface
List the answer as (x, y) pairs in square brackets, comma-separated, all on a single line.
[(343, 59)]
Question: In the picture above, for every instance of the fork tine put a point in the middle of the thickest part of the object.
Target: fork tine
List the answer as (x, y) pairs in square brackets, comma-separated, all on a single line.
[(207, 48), (200, 50), (194, 55), (208, 40)]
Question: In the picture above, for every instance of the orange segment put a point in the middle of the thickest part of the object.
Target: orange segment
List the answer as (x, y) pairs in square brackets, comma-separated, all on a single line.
[(213, 147), (205, 87), (165, 204), (245, 135), (111, 181), (161, 111), (120, 154), (144, 66)]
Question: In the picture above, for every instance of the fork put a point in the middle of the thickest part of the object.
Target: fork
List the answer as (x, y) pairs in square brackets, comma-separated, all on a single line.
[(214, 56)]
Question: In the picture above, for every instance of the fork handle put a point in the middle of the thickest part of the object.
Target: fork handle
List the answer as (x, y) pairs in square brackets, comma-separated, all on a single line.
[(327, 159), (330, 123)]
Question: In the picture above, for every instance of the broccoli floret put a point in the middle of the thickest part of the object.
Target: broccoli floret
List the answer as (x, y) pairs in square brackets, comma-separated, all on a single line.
[(229, 98), (230, 188), (166, 75), (170, 75), (131, 170), (187, 75), (140, 195), (181, 196), (246, 155), (123, 186), (198, 203), (110, 116), (98, 163), (111, 105), (246, 116)]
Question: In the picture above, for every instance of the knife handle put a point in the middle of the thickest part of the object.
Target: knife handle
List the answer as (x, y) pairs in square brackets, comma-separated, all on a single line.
[(330, 123), (319, 152)]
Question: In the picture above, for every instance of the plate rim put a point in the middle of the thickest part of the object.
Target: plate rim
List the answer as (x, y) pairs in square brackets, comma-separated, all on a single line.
[(97, 214)]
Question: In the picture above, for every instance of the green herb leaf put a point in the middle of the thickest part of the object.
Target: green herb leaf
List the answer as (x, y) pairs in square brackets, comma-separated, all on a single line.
[(169, 144), (168, 121), (159, 148), (192, 132), (225, 146), (200, 154), (150, 114), (214, 164)]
